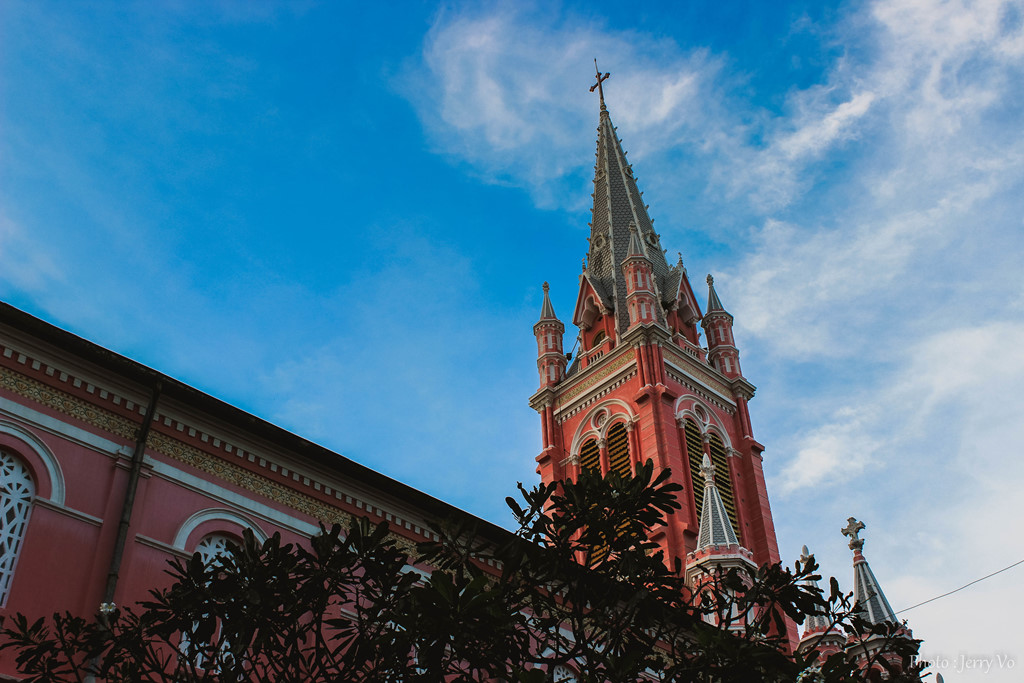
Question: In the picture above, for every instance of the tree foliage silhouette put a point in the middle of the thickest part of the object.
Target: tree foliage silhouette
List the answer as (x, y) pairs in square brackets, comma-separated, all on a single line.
[(579, 587)]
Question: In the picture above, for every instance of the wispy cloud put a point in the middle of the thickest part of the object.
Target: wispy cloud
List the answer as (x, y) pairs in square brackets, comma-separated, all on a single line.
[(509, 93)]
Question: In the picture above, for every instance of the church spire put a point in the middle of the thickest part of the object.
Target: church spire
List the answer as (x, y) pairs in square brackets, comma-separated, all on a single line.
[(867, 594), (618, 203)]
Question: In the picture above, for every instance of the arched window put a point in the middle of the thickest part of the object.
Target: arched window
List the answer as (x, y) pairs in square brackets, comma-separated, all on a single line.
[(695, 452), (618, 450), (209, 548), (590, 456), (16, 491), (213, 546), (723, 479), (563, 674)]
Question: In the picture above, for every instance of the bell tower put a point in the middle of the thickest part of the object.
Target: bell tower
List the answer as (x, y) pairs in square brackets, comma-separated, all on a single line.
[(641, 385)]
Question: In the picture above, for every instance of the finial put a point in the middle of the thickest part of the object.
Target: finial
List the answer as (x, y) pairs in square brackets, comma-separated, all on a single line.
[(707, 470), (711, 280), (546, 288), (853, 527), (680, 264), (600, 89), (632, 226), (584, 260)]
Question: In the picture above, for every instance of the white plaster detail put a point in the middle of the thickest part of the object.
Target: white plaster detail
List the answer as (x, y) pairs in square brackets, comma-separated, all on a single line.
[(228, 496), (50, 462), (612, 408), (215, 514), (692, 406)]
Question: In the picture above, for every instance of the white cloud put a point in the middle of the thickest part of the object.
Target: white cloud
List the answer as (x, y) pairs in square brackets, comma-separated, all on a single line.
[(814, 137), (506, 91)]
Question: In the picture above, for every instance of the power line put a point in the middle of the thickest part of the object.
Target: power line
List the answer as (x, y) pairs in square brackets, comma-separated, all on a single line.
[(907, 609)]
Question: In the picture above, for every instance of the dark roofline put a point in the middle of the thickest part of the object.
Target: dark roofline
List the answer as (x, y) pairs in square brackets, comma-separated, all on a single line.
[(303, 448)]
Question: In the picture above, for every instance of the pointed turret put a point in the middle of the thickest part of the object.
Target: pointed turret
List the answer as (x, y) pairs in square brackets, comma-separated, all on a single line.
[(819, 632), (718, 548), (714, 303), (870, 602), (548, 331), (717, 324), (636, 268), (867, 594), (715, 527)]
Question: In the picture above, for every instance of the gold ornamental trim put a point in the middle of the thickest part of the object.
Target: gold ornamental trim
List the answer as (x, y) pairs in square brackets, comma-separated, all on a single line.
[(688, 367), (246, 479), (569, 394), (67, 404)]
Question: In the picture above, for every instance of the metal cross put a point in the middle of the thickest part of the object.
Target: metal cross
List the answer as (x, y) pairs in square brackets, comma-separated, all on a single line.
[(600, 79)]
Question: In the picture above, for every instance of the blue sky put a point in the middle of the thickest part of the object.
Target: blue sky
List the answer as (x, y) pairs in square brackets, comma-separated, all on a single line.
[(338, 216)]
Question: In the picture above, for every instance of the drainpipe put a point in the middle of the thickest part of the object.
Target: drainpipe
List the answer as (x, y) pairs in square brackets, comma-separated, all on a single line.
[(108, 606)]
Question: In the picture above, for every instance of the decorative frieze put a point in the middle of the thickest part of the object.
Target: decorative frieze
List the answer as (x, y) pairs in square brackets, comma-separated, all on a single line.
[(698, 390), (601, 373), (211, 464), (565, 415)]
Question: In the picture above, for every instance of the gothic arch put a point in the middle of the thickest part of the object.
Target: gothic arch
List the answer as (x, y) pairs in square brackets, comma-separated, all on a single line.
[(690, 410), (227, 518), (17, 489), (599, 420), (690, 406), (37, 456)]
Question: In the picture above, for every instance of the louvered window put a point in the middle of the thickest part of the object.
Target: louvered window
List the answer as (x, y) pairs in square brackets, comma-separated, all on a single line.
[(723, 480), (590, 460), (590, 456), (695, 451), (16, 491), (618, 450)]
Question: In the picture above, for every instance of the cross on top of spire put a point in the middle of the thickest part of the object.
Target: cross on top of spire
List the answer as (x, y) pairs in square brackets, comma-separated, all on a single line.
[(853, 527), (598, 86)]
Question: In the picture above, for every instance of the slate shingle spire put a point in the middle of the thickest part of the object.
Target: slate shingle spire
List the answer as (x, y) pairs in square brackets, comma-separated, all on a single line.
[(714, 303), (618, 203), (715, 527), (815, 623), (867, 594)]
